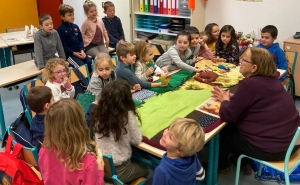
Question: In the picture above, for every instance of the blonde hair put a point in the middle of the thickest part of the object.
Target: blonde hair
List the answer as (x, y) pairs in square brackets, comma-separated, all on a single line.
[(67, 133), (49, 68), (108, 4), (264, 62), (87, 5), (188, 134), (124, 48), (101, 57), (142, 48), (64, 8)]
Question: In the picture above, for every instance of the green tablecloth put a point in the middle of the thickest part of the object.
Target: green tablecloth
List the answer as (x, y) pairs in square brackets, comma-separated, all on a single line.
[(176, 80), (159, 111)]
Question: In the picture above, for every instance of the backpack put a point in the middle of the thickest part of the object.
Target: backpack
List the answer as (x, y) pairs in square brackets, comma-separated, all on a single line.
[(15, 171), (23, 97), (21, 131), (81, 85)]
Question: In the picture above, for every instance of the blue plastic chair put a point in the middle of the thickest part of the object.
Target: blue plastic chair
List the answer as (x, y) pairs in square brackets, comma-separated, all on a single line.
[(292, 58), (29, 155), (287, 166), (109, 169)]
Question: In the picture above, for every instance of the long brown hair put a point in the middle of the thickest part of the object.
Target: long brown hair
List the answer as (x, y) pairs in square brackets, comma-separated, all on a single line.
[(67, 133), (110, 116)]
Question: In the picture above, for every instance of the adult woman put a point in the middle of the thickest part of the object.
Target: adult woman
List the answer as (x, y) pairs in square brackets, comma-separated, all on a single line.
[(261, 114)]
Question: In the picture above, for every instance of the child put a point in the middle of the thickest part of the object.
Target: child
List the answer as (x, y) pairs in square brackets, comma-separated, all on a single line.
[(56, 75), (180, 164), (102, 75), (115, 126), (68, 155), (145, 67), (194, 45), (177, 56), (39, 99), (204, 51), (113, 25), (268, 36), (125, 69), (71, 38), (213, 34), (93, 31), (46, 42), (227, 48)]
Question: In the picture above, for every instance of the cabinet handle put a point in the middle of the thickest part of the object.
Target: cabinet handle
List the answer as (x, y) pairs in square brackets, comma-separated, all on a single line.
[(288, 47)]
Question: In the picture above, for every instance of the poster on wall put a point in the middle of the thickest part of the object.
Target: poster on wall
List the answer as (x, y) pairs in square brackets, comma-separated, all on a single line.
[(251, 0)]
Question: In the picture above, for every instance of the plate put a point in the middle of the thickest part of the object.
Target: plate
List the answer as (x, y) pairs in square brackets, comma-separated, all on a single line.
[(211, 107)]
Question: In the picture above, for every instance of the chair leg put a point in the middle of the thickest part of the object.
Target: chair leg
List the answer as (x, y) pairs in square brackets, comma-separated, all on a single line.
[(238, 169), (31, 55), (259, 169), (286, 177), (13, 56)]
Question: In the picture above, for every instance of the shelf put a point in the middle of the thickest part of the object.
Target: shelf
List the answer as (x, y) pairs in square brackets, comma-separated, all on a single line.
[(162, 15), (154, 31)]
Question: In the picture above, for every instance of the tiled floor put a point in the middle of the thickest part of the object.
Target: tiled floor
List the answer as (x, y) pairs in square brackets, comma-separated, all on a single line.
[(12, 107)]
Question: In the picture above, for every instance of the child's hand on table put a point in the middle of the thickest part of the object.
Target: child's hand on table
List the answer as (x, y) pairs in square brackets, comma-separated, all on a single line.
[(136, 87), (149, 71)]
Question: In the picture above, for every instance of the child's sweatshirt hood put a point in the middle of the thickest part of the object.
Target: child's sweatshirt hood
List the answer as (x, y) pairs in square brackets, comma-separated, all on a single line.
[(273, 47), (181, 169), (41, 32)]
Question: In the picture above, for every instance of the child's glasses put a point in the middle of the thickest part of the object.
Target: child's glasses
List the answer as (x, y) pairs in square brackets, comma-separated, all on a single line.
[(60, 72)]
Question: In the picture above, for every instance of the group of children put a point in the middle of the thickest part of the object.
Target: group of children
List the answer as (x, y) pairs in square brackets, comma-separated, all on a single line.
[(72, 44), (61, 131)]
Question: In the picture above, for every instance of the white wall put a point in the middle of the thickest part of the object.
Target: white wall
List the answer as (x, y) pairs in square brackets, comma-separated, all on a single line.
[(249, 16), (122, 8)]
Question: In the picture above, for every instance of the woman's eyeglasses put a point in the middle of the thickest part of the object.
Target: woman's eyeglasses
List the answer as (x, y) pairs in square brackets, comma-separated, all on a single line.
[(60, 72), (244, 60)]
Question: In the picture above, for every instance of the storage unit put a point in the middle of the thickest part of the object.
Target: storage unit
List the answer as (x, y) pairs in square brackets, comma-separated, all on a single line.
[(291, 44), (150, 22)]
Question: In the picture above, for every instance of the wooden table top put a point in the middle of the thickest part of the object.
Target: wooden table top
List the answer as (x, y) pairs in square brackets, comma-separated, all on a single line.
[(16, 73), (159, 153), (15, 38), (3, 44)]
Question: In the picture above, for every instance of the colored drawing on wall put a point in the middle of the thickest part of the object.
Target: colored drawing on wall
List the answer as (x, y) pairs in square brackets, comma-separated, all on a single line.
[(251, 0)]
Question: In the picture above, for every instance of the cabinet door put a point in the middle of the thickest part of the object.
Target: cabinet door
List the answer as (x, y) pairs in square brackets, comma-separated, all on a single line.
[(51, 9), (295, 47)]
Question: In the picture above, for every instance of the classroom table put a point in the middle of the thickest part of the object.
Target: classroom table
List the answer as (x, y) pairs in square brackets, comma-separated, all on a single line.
[(3, 45), (212, 138), (12, 75), (14, 39)]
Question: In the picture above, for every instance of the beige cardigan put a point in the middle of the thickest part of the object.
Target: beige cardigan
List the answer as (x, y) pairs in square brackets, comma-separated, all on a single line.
[(88, 30)]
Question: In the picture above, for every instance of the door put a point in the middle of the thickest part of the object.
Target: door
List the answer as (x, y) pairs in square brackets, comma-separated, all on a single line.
[(51, 8)]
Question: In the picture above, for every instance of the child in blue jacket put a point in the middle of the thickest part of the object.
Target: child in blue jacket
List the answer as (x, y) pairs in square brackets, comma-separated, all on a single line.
[(268, 36), (71, 38)]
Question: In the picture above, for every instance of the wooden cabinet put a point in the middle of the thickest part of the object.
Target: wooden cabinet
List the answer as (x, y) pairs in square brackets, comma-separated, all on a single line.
[(291, 44), (195, 19)]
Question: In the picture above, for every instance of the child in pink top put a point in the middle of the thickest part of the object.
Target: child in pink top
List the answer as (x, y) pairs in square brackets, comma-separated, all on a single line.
[(94, 34), (68, 155)]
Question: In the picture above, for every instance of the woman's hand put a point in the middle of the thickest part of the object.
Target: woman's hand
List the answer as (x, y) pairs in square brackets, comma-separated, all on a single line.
[(220, 94)]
